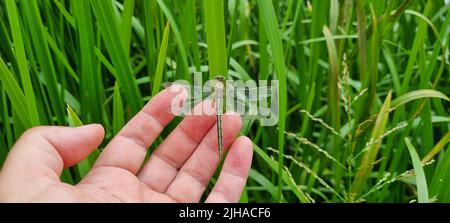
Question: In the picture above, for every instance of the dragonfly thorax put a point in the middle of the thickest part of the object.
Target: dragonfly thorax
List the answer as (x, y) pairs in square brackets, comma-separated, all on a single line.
[(219, 82)]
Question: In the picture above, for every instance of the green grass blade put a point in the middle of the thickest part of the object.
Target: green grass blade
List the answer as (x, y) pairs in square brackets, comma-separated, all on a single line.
[(150, 38), (263, 181), (192, 33), (85, 165), (125, 26), (22, 61), (6, 48), (437, 148), (274, 165), (7, 131), (263, 51), (421, 181), (392, 68), (273, 35), (215, 36), (362, 40), (65, 13), (373, 55), (374, 146), (91, 90), (333, 76), (60, 56), (161, 61), (118, 114), (39, 41), (74, 120), (418, 42), (418, 94), (441, 175), (15, 94), (334, 15), (181, 47), (104, 13)]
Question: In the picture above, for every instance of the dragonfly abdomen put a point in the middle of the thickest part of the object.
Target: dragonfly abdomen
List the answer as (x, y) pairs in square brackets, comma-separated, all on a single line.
[(218, 99)]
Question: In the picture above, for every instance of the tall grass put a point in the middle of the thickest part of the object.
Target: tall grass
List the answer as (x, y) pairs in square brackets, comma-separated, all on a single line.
[(364, 85)]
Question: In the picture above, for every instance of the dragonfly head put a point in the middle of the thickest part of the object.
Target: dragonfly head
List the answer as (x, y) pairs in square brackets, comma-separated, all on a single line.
[(220, 79)]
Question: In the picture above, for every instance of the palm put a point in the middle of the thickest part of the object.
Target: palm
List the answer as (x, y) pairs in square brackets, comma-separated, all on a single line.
[(178, 171), (108, 185)]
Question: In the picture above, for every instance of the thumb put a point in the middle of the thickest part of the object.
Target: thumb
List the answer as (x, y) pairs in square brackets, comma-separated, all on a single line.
[(37, 159), (74, 144), (53, 148)]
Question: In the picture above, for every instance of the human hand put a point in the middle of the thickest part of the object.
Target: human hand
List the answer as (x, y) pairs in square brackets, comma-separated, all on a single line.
[(177, 171)]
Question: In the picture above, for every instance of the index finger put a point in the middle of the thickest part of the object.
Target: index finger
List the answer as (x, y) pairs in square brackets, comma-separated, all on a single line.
[(128, 148)]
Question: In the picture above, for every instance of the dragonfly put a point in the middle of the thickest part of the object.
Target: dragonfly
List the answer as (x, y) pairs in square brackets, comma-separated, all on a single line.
[(228, 95)]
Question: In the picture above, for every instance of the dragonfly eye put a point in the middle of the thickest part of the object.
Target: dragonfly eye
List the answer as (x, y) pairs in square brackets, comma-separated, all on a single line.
[(220, 78)]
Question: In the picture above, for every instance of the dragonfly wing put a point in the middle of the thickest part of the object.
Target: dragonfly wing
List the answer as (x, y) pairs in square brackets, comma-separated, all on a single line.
[(196, 95), (250, 109), (253, 94), (195, 92)]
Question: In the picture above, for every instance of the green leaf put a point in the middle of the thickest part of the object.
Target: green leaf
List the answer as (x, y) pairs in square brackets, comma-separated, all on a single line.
[(150, 37), (85, 165), (6, 130), (60, 56), (125, 27), (273, 35), (362, 41), (39, 40), (22, 61), (274, 165), (419, 38), (421, 181), (441, 177), (161, 61), (333, 79), (15, 94), (65, 13), (374, 145), (215, 37), (263, 181), (74, 120), (107, 22), (118, 116), (437, 148), (419, 94), (178, 38), (91, 89)]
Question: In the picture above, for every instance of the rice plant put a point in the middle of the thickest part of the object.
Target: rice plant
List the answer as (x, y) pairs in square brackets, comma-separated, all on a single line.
[(363, 84)]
